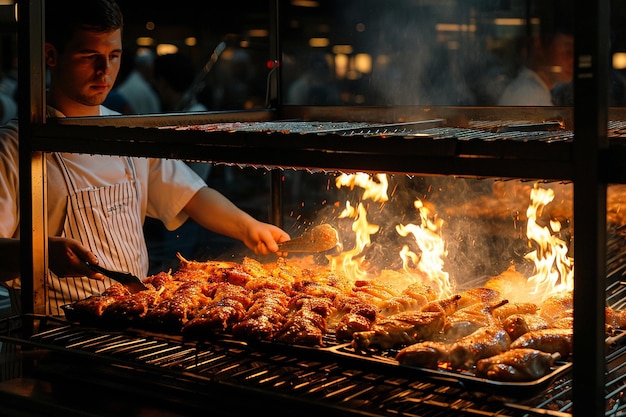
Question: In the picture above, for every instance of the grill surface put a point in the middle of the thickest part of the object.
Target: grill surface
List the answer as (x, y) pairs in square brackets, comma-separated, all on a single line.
[(307, 376)]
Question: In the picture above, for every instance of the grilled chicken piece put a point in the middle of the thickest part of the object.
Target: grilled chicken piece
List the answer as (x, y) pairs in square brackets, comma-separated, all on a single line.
[(510, 284), (463, 354), (265, 316), (305, 327), (400, 329), (484, 342), (446, 306), (413, 297), (171, 313), (547, 340), (516, 365), (557, 306), (130, 309), (425, 354), (216, 318), (519, 324), (95, 305), (351, 323), (351, 315), (615, 318), (478, 295), (509, 309), (228, 307), (469, 319)]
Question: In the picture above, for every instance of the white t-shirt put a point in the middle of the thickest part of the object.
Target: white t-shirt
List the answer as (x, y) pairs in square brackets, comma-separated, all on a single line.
[(527, 89)]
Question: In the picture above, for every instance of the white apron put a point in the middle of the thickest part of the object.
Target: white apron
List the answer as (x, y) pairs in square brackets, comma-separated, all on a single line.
[(107, 221)]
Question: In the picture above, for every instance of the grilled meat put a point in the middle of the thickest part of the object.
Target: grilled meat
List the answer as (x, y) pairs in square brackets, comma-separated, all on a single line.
[(174, 311), (463, 354), (516, 365), (519, 324), (426, 354), (400, 330), (509, 309), (484, 342), (414, 297), (547, 340), (557, 306), (478, 295), (446, 306), (265, 316), (469, 319)]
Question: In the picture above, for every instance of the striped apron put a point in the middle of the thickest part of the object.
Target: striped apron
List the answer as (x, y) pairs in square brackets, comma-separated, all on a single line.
[(107, 220)]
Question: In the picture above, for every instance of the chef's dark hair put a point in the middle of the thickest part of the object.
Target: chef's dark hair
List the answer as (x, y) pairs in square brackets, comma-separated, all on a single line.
[(64, 17)]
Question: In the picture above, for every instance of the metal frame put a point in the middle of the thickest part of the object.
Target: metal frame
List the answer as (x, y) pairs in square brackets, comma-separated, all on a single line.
[(582, 163)]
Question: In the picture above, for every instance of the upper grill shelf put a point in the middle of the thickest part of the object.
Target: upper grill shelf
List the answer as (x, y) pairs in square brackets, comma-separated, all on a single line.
[(523, 145)]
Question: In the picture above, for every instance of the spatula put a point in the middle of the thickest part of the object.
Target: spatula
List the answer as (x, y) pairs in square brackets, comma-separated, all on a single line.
[(318, 239), (127, 279)]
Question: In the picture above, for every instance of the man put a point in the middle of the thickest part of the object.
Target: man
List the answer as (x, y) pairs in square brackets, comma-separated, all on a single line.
[(100, 200), (550, 63)]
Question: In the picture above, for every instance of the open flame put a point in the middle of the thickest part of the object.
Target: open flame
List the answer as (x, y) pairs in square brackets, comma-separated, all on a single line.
[(554, 268), (428, 265), (429, 240)]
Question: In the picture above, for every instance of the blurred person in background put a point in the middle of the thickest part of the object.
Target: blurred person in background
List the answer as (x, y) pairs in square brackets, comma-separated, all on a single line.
[(316, 85), (547, 59), (136, 91), (174, 75)]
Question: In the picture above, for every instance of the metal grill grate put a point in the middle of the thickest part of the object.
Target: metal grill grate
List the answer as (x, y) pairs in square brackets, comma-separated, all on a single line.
[(306, 374)]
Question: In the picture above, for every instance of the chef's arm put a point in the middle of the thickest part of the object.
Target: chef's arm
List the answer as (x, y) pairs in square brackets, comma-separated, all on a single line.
[(66, 257), (212, 210)]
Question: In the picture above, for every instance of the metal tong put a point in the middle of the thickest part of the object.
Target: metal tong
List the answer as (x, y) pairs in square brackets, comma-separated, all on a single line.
[(127, 279), (318, 239)]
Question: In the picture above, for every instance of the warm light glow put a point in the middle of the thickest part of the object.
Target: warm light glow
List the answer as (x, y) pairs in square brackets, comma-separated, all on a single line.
[(258, 33), (342, 49), (144, 41), (191, 41), (509, 21), (454, 27), (150, 25), (363, 63), (341, 65), (305, 3), (619, 60), (166, 48), (319, 42)]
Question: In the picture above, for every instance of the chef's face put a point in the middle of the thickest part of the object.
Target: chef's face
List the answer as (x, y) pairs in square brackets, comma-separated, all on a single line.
[(83, 73)]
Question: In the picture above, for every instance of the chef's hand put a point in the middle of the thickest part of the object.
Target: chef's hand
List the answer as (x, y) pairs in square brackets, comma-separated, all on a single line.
[(67, 258), (263, 238)]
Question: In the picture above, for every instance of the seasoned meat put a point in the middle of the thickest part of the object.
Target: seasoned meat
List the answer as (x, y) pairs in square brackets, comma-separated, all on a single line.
[(467, 320), (508, 309), (400, 329), (557, 306), (547, 340), (516, 365), (484, 342), (519, 324), (424, 354), (463, 354)]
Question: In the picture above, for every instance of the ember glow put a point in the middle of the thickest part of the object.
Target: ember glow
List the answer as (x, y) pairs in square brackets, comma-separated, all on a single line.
[(554, 268)]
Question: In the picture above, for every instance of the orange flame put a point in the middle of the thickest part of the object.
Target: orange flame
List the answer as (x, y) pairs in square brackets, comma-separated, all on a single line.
[(554, 268), (429, 240)]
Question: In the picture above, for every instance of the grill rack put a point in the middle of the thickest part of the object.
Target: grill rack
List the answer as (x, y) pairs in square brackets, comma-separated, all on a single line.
[(278, 371)]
